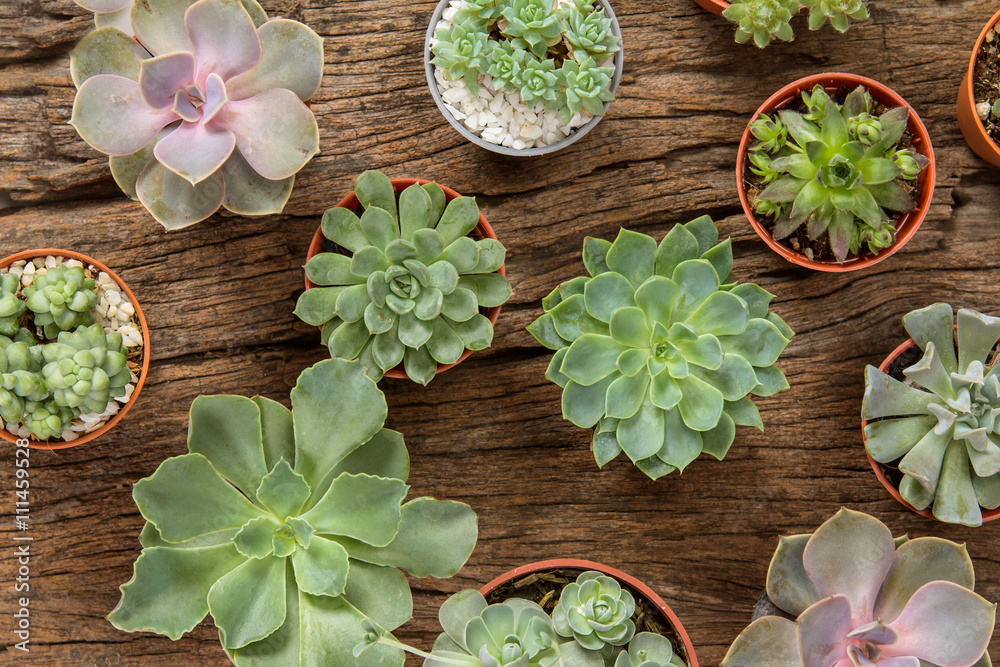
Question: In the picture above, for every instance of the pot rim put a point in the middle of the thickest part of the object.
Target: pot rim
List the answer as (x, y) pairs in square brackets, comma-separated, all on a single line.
[(144, 371), (714, 6), (577, 564), (988, 515), (619, 64), (484, 229), (911, 221)]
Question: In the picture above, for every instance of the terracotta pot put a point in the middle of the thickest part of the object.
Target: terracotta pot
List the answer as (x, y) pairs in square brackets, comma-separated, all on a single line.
[(618, 61), (907, 225), (483, 230), (988, 515), (630, 581), (972, 128), (714, 6), (87, 261)]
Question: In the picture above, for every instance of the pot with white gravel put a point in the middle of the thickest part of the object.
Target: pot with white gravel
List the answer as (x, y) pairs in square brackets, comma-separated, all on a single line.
[(523, 77)]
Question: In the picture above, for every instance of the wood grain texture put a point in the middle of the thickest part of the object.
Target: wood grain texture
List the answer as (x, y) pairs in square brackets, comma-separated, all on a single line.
[(219, 299)]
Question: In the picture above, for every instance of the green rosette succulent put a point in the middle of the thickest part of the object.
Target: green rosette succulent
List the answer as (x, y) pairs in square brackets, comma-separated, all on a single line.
[(941, 427), (860, 598), (588, 32), (85, 369), (840, 176), (658, 351), (412, 289), (539, 80), (531, 24), (762, 20), (504, 64), (595, 611), (11, 307), (838, 12), (288, 526), (461, 51), (587, 88), (61, 299), (770, 134), (480, 13), (649, 650)]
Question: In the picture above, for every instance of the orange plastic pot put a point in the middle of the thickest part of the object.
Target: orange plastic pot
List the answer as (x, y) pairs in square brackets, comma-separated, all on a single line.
[(714, 6), (573, 564), (88, 261), (907, 225), (972, 128), (483, 230), (988, 515)]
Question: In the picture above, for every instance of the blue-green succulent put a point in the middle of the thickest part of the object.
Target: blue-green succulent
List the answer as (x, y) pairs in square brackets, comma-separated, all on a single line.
[(766, 20)]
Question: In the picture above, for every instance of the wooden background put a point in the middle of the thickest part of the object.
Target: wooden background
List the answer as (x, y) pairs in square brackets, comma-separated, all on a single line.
[(219, 299)]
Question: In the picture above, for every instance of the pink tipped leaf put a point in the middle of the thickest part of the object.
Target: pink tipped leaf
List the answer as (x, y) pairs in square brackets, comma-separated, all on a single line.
[(111, 115)]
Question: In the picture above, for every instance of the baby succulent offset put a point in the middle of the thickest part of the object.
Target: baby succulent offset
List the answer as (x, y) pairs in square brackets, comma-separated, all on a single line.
[(61, 299), (658, 351), (862, 599), (839, 174), (765, 20), (289, 526), (204, 108), (532, 34), (411, 290), (11, 306), (942, 426)]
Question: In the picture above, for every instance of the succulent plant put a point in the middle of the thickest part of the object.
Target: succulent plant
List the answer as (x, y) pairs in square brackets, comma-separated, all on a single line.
[(658, 351), (762, 20), (861, 598), (204, 108), (85, 369), (595, 611), (533, 25), (765, 20), (61, 299), (588, 32), (771, 135), (839, 12), (942, 424), (649, 650), (289, 526), (518, 43), (587, 87), (11, 306), (412, 288), (839, 176), (46, 419), (461, 51), (19, 381)]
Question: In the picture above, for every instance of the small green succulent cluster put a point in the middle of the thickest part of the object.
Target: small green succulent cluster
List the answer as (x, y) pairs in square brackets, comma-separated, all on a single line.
[(61, 299), (837, 169), (11, 305), (591, 626), (534, 36), (765, 20), (411, 291), (45, 387), (942, 427), (659, 350)]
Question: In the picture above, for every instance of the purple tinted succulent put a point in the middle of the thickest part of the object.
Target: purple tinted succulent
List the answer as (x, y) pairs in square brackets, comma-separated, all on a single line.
[(861, 601), (203, 108)]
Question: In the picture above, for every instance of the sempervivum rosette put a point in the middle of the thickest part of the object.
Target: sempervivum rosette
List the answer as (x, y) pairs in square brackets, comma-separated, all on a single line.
[(204, 108)]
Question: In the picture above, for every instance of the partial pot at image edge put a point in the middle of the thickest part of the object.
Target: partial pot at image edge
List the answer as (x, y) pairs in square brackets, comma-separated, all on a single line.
[(618, 60), (714, 6), (905, 346), (908, 224), (143, 371), (968, 120), (483, 230), (689, 655)]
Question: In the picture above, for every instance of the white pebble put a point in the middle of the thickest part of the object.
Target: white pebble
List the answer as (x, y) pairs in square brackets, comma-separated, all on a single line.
[(50, 262), (29, 270), (127, 308), (39, 262), (983, 110), (69, 435), (114, 298)]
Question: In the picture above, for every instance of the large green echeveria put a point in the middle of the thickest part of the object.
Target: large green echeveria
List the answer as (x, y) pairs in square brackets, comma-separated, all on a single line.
[(289, 526), (658, 351), (412, 290), (942, 427), (861, 598)]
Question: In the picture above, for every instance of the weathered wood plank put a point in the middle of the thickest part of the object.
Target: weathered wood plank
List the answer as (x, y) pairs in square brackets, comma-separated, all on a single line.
[(219, 297)]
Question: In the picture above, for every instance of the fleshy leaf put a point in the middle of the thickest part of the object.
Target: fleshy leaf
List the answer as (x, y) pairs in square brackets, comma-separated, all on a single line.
[(248, 603), (362, 507), (227, 431)]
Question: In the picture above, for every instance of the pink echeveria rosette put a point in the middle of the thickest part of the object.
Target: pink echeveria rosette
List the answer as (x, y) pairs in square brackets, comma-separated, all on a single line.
[(203, 107), (859, 600)]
